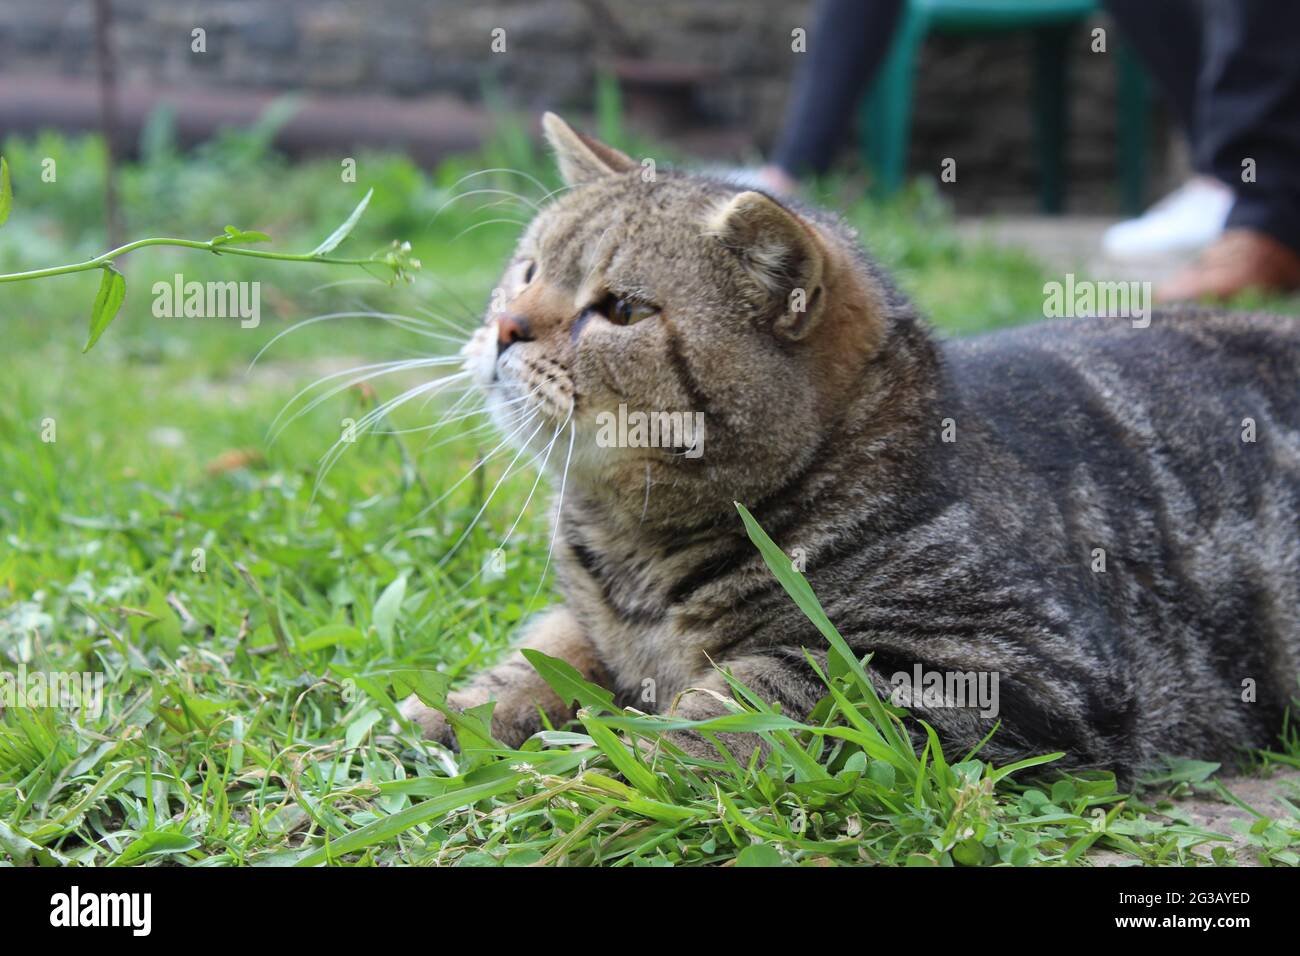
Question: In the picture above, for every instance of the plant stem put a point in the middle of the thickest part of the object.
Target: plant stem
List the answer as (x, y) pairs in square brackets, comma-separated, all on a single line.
[(102, 260)]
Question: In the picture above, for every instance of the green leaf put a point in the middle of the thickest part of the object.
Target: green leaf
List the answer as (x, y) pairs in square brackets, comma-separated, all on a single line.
[(243, 236), (1025, 764), (114, 778), (797, 586), (6, 193), (746, 723), (881, 772), (624, 760), (971, 852), (428, 685), (387, 608), (759, 854), (328, 636), (472, 727), (23, 851), (357, 730), (569, 685), (155, 843), (112, 290), (343, 231), (1180, 770), (1080, 846), (387, 828)]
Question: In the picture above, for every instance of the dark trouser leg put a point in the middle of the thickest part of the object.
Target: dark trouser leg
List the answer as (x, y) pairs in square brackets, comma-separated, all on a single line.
[(1166, 35), (848, 43), (1248, 108)]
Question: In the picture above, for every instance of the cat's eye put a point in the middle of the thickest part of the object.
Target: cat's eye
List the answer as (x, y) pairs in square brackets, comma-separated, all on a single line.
[(622, 310), (529, 271)]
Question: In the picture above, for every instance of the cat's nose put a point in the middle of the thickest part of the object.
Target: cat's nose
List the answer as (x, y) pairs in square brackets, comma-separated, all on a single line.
[(512, 328)]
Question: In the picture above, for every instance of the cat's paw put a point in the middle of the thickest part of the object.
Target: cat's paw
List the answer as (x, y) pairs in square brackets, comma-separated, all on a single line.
[(432, 723)]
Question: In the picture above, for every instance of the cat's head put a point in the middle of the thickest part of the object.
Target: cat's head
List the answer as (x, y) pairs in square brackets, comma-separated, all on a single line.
[(641, 304)]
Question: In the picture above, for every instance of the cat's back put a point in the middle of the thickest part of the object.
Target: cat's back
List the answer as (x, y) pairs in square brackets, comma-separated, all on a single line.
[(1167, 457), (1198, 391), (1187, 355)]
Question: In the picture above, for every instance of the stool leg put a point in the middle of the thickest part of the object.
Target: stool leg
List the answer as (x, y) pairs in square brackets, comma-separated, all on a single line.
[(1133, 100), (887, 109), (1051, 113)]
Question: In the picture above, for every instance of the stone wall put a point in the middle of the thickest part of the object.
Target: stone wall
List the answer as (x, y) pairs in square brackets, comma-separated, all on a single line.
[(972, 99)]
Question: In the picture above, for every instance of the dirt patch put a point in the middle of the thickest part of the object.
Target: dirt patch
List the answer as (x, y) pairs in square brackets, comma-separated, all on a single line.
[(1209, 811)]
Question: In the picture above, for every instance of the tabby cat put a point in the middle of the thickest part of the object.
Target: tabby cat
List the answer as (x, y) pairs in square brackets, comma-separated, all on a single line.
[(1103, 517)]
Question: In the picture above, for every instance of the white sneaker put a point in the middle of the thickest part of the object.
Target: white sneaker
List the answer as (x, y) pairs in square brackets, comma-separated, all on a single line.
[(1189, 218)]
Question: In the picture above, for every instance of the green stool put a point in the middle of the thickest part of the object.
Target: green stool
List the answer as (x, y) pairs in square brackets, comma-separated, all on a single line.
[(887, 109)]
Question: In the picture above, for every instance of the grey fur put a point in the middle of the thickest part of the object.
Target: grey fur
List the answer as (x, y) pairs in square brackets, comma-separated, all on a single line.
[(970, 555)]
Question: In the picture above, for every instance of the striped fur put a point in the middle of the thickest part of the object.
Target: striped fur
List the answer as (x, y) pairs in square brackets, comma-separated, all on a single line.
[(975, 554)]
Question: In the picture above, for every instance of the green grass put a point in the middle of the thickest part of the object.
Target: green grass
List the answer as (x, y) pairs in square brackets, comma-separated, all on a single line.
[(248, 697)]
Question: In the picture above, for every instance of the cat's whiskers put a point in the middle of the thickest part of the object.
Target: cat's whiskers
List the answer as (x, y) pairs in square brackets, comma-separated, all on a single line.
[(523, 446), (337, 283), (528, 416), (497, 203), (555, 192), (431, 387), (461, 330), (471, 315), (545, 455), (541, 470), (487, 425), (467, 393), (467, 582), (367, 372), (405, 322), (364, 424), (499, 169), (518, 419), (484, 426), (559, 511), (489, 222), (486, 191)]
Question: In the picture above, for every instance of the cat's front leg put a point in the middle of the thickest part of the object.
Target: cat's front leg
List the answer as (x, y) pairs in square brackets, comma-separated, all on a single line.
[(779, 676), (520, 693)]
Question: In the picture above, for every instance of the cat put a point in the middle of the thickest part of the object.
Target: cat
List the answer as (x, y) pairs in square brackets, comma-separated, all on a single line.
[(1102, 517)]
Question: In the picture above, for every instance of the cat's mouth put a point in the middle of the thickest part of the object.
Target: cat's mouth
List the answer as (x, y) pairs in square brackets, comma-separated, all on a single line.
[(520, 387), (535, 385)]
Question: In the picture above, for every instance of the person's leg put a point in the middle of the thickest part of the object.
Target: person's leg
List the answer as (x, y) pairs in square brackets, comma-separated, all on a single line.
[(1248, 109), (1248, 133), (849, 41), (1166, 35)]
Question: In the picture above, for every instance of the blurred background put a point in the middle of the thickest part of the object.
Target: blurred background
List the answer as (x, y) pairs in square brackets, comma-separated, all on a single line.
[(420, 75), (1033, 106), (172, 512), (131, 119)]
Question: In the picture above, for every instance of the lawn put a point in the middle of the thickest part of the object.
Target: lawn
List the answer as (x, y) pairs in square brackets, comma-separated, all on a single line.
[(255, 618)]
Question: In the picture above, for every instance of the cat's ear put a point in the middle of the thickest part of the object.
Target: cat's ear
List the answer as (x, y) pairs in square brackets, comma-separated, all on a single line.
[(780, 251), (581, 159)]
